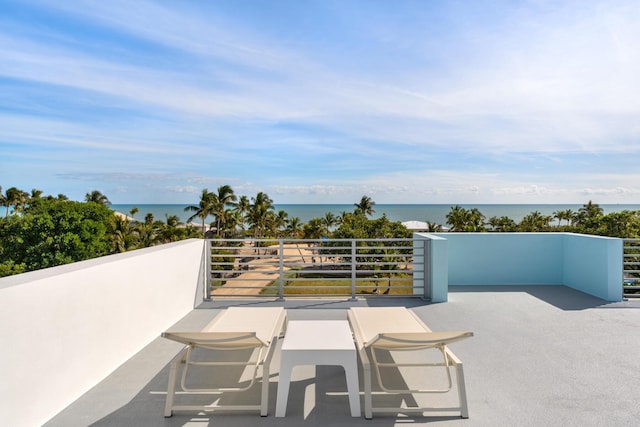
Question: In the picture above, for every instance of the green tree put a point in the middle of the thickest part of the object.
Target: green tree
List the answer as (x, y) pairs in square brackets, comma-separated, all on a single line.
[(13, 197), (260, 214), (502, 224), (9, 268), (360, 227), (365, 206), (294, 227), (53, 232), (202, 210), (3, 201), (224, 198), (243, 207), (97, 197), (461, 219), (134, 210), (564, 215), (588, 217), (457, 218), (315, 228), (330, 221), (433, 227), (534, 222), (280, 223), (124, 236)]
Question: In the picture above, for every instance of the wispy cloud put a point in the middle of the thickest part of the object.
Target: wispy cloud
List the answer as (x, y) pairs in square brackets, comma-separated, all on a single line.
[(324, 101)]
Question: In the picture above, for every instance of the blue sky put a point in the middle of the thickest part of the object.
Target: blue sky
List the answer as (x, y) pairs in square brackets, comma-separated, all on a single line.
[(323, 101)]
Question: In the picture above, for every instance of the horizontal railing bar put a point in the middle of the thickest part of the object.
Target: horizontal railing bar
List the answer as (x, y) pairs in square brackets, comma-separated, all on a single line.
[(284, 266), (347, 279)]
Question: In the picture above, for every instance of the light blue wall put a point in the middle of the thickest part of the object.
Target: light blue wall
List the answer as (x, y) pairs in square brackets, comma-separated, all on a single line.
[(505, 258), (594, 265), (436, 278), (591, 264)]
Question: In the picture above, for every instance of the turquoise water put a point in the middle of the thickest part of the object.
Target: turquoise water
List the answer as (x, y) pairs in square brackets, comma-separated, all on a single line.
[(431, 213)]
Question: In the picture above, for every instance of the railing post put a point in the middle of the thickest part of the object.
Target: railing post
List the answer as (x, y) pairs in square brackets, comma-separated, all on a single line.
[(427, 269), (354, 275), (281, 270), (207, 269)]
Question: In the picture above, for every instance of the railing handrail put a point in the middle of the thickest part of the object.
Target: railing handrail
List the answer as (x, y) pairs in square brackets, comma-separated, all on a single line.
[(266, 266)]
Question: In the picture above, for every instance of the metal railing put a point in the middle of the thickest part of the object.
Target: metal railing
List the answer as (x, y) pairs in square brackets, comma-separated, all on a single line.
[(317, 268), (631, 268)]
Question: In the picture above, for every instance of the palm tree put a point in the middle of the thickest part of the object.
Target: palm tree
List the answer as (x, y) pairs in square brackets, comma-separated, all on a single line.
[(561, 215), (314, 229), (457, 218), (232, 219), (124, 236), (502, 224), (3, 201), (134, 210), (13, 197), (243, 206), (224, 198), (171, 232), (475, 220), (535, 221), (365, 207), (330, 220), (205, 208), (434, 227), (294, 227), (260, 213), (36, 194), (97, 197), (280, 221), (589, 216)]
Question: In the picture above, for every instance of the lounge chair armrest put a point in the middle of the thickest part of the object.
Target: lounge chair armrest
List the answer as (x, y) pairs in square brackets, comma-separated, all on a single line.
[(416, 340), (230, 340)]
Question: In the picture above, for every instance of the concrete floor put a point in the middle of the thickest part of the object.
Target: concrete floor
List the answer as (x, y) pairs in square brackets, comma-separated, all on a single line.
[(541, 356)]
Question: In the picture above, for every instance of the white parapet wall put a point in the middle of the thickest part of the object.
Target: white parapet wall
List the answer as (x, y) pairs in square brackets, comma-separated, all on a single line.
[(66, 328)]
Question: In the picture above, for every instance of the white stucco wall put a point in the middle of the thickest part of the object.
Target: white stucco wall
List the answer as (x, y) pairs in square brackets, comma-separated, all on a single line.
[(66, 328)]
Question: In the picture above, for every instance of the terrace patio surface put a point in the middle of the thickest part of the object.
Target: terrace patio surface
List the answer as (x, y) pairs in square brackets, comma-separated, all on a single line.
[(540, 356)]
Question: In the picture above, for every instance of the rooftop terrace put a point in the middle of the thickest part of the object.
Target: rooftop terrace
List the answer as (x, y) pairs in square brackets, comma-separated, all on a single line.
[(553, 345), (541, 355)]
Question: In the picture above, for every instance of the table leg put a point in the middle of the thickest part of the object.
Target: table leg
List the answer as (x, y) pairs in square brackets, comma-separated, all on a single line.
[(284, 379), (351, 373)]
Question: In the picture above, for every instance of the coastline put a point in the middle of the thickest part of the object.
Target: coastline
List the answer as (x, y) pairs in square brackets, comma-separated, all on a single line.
[(435, 213)]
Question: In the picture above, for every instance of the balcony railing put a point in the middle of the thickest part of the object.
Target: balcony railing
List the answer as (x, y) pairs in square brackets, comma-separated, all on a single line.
[(631, 268), (317, 267)]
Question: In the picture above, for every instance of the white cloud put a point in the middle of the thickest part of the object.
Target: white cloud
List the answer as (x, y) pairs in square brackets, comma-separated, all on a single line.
[(213, 99)]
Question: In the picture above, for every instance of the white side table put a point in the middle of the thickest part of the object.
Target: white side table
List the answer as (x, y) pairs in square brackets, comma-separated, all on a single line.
[(318, 342)]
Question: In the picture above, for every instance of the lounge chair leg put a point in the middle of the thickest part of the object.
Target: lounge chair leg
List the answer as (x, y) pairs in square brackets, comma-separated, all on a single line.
[(168, 411), (462, 392), (171, 388), (368, 403), (264, 405)]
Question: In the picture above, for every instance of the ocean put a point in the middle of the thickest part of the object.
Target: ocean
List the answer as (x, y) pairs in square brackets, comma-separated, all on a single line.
[(404, 212)]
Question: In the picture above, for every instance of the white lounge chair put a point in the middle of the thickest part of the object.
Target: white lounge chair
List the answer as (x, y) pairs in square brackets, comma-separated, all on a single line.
[(234, 329), (392, 329)]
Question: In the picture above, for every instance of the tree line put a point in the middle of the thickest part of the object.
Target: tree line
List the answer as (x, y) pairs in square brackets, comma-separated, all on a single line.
[(589, 219), (40, 231), (238, 217)]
